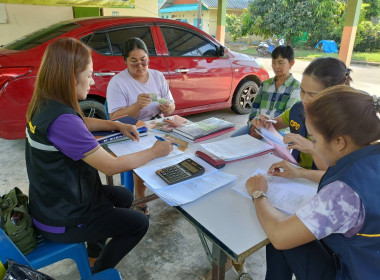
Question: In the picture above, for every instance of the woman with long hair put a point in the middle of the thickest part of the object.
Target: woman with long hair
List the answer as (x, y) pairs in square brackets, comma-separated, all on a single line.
[(67, 200)]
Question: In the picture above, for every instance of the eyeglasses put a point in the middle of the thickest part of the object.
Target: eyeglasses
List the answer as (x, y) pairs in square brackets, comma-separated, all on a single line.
[(143, 63)]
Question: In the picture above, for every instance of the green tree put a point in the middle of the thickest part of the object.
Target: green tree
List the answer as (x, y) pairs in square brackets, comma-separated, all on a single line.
[(373, 10), (233, 24), (289, 18)]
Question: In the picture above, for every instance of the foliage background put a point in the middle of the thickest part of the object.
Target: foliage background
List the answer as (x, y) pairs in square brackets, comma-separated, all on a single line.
[(320, 19)]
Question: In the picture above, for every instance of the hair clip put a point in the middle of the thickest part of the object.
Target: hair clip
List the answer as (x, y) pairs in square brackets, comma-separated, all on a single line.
[(376, 102)]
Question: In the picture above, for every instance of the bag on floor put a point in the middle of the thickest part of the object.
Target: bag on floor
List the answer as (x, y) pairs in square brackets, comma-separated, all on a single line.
[(16, 221), (23, 272)]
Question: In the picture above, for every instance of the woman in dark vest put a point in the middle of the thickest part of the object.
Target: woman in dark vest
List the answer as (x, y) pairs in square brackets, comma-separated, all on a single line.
[(67, 200), (320, 74), (337, 234)]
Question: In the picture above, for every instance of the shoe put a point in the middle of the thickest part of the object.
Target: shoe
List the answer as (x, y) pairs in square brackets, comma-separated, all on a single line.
[(144, 210)]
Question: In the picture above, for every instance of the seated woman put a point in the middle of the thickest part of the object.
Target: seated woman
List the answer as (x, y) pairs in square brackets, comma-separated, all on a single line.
[(320, 74), (66, 198), (129, 93), (335, 235), (275, 94)]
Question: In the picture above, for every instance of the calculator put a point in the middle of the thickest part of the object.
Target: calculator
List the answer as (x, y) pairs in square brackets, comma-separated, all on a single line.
[(181, 171)]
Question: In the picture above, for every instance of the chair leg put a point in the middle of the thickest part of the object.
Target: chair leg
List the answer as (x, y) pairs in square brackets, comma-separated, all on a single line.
[(81, 260), (127, 180)]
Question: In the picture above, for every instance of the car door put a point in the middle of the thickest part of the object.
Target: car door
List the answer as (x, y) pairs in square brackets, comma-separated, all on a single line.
[(198, 75), (107, 46)]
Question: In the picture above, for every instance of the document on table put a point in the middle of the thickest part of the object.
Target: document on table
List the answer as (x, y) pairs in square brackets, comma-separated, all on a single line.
[(185, 191), (129, 147), (284, 194), (272, 137), (237, 147)]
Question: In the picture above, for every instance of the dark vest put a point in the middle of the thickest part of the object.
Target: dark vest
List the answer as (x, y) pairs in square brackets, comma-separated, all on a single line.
[(62, 192), (360, 255), (297, 125)]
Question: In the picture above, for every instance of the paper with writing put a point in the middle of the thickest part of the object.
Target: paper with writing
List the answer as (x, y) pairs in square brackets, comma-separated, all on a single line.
[(185, 191), (284, 194), (130, 147)]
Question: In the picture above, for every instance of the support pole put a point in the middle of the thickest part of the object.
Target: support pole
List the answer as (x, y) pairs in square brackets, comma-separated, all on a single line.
[(349, 31), (199, 18), (221, 21)]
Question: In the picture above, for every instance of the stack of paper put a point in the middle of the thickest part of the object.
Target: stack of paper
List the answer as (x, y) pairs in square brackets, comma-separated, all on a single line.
[(186, 191), (284, 194), (130, 147), (237, 147)]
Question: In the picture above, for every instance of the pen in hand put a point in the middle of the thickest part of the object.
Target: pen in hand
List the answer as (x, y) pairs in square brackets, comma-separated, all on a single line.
[(267, 120), (271, 121), (163, 139)]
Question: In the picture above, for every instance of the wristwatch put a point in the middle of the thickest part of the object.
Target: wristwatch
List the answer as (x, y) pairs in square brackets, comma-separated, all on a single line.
[(258, 194)]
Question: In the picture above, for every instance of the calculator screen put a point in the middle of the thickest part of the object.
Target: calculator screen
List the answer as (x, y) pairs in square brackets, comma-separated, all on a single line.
[(189, 166)]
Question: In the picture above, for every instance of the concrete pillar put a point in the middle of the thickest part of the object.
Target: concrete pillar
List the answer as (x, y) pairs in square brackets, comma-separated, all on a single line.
[(221, 21), (349, 31)]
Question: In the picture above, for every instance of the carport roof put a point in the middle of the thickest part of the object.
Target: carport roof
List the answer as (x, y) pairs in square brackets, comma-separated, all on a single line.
[(181, 8), (231, 4)]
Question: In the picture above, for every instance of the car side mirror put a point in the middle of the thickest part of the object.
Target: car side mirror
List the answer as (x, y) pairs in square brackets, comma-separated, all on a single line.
[(221, 50)]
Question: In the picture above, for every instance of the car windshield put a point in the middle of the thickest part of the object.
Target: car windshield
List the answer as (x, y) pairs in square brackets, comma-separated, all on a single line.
[(41, 36)]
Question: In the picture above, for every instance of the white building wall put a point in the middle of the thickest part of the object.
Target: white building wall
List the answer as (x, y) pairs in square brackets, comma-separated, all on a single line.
[(24, 19)]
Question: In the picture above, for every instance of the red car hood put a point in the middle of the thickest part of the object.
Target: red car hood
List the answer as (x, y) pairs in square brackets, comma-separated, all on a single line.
[(245, 58)]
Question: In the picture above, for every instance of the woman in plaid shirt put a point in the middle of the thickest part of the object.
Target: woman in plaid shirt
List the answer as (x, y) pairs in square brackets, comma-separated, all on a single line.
[(276, 94)]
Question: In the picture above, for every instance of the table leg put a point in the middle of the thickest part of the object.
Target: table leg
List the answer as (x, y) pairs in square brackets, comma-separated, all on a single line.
[(219, 259)]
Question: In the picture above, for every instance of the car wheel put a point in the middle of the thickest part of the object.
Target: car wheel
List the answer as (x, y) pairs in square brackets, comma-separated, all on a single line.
[(93, 109), (243, 98)]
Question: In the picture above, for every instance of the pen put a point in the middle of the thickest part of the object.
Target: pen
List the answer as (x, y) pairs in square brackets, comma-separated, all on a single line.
[(271, 121), (163, 139)]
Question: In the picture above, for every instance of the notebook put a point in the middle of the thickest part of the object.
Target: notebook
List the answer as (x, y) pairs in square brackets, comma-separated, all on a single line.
[(108, 137), (197, 130)]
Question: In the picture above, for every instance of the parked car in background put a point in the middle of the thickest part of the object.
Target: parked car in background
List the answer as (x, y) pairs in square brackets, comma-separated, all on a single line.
[(202, 74)]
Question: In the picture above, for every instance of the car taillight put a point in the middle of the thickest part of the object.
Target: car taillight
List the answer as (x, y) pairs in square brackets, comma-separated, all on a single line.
[(8, 73)]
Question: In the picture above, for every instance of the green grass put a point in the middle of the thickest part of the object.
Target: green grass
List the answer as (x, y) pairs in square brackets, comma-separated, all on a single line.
[(311, 54)]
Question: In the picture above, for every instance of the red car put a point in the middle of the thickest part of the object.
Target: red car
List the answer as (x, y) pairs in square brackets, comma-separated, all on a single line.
[(202, 74)]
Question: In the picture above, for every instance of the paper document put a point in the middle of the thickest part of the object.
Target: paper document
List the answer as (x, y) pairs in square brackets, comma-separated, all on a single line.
[(284, 194), (236, 147), (272, 137), (185, 191), (130, 147)]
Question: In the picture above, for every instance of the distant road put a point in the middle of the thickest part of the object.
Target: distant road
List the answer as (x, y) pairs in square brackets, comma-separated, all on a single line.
[(365, 77)]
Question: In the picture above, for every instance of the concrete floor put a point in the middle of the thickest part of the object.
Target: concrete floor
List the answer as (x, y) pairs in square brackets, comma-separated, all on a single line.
[(170, 250)]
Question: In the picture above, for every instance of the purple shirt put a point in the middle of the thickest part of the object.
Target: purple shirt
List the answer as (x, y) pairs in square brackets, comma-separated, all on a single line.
[(69, 134), (337, 208)]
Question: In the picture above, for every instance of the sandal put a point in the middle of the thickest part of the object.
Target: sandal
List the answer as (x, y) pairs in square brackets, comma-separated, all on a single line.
[(144, 209)]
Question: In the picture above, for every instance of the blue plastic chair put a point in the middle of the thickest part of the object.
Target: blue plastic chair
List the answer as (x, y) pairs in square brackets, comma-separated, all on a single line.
[(36, 259), (126, 178)]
